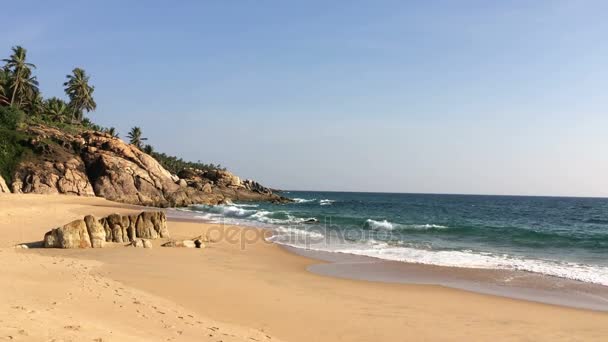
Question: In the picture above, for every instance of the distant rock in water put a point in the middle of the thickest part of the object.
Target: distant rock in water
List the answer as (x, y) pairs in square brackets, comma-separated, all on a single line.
[(98, 164), (91, 232)]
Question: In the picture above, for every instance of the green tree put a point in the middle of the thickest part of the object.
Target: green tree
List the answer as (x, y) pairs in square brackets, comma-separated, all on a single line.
[(4, 86), (34, 105), (135, 137), (80, 93), (55, 109), (22, 84), (149, 149), (112, 131)]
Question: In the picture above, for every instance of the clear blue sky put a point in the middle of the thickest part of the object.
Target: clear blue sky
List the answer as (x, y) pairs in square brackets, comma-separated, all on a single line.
[(494, 97)]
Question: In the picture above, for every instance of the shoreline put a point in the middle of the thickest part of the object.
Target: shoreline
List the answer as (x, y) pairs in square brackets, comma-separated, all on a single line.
[(262, 289), (518, 285), (513, 284)]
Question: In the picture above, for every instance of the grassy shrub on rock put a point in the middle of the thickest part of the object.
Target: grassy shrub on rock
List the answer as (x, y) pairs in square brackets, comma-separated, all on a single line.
[(10, 118), (12, 147)]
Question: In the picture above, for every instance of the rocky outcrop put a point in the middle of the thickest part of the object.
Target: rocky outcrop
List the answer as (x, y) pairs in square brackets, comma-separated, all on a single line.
[(91, 232), (3, 187), (67, 177), (95, 163), (228, 186)]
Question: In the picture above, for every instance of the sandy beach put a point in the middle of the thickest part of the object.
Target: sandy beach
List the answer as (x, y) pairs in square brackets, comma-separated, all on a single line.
[(232, 291)]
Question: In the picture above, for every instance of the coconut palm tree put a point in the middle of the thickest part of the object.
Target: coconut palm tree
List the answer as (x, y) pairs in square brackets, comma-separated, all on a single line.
[(34, 104), (80, 93), (28, 90), (21, 80), (149, 149), (4, 86), (135, 137), (55, 109), (112, 131)]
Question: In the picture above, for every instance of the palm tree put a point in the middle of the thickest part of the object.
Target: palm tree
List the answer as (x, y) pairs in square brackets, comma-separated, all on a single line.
[(135, 137), (4, 85), (80, 93), (149, 149), (28, 89), (112, 131), (20, 74), (55, 109), (35, 104)]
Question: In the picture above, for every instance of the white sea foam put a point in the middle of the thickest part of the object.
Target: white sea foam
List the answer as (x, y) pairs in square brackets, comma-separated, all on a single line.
[(468, 259), (587, 273), (426, 226), (246, 205), (294, 232), (304, 200), (384, 224), (326, 202)]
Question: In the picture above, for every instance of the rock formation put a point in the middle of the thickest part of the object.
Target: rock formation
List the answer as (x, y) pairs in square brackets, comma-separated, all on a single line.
[(91, 232), (3, 187), (95, 163), (228, 186), (53, 178)]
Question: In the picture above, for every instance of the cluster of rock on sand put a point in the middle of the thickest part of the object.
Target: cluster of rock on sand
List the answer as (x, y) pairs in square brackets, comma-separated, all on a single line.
[(137, 230), (93, 232)]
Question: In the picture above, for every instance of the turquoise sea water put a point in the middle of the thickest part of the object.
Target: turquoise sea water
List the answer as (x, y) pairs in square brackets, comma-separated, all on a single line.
[(564, 237)]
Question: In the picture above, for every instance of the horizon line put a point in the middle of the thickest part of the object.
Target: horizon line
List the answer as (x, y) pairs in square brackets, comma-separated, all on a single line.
[(445, 194)]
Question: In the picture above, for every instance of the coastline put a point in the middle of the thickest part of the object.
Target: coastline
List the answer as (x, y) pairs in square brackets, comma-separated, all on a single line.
[(514, 284), (518, 285), (268, 289)]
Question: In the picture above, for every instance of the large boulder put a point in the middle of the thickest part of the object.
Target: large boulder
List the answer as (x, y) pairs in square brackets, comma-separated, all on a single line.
[(3, 187), (72, 235), (152, 225)]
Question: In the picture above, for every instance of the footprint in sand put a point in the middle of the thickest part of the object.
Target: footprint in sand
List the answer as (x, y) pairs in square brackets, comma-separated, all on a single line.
[(72, 327)]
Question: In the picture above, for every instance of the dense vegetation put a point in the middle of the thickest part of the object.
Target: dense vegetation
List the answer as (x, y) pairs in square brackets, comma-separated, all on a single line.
[(22, 104)]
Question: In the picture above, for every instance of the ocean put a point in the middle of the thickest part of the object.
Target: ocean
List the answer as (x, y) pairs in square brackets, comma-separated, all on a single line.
[(554, 236)]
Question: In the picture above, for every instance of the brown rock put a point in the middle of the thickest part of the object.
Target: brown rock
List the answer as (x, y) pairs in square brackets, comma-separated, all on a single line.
[(68, 177), (3, 187), (207, 188), (71, 235), (97, 233), (180, 243), (141, 243)]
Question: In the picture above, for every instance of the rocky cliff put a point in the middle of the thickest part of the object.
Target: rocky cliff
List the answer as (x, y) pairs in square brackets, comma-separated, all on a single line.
[(98, 164)]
